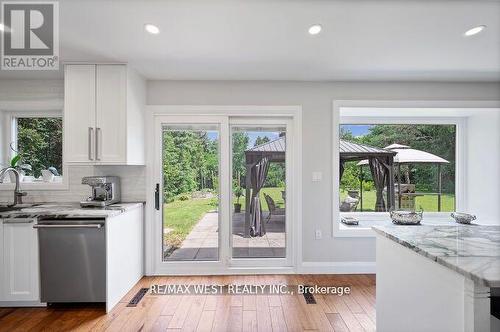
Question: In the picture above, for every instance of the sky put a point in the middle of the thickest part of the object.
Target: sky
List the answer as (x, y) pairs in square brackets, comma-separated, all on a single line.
[(357, 130), (252, 136)]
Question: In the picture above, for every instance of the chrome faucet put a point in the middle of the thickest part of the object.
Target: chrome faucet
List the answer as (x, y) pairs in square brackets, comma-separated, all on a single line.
[(18, 194)]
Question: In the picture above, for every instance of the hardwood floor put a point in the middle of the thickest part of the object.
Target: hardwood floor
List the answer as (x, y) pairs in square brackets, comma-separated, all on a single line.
[(353, 312)]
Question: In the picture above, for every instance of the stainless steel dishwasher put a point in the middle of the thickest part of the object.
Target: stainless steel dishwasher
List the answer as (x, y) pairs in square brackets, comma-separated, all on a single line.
[(72, 260)]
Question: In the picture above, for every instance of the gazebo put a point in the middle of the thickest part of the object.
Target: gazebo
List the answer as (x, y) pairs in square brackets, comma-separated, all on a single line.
[(257, 160), (381, 163), (407, 155)]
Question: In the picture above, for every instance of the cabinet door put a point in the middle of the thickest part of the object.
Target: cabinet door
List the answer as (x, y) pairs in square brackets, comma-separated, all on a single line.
[(20, 272), (111, 116), (79, 113)]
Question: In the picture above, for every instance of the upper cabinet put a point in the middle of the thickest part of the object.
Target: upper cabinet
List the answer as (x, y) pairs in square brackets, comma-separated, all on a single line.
[(103, 115)]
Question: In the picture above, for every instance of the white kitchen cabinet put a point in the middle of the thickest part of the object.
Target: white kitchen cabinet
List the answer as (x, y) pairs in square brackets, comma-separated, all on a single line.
[(79, 115), (19, 265), (103, 115)]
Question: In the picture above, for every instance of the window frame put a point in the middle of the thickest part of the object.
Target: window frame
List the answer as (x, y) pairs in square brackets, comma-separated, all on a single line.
[(10, 128), (386, 112)]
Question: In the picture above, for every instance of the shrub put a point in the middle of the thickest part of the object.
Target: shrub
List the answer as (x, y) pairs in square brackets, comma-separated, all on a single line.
[(183, 197), (368, 185)]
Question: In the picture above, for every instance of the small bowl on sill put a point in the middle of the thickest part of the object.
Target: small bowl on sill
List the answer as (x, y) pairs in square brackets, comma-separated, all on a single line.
[(403, 217), (463, 218)]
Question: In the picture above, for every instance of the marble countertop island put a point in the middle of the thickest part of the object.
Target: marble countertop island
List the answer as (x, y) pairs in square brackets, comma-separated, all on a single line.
[(471, 250), (69, 210)]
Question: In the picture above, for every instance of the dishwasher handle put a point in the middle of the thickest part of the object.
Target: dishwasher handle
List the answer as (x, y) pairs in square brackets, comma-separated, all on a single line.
[(67, 226)]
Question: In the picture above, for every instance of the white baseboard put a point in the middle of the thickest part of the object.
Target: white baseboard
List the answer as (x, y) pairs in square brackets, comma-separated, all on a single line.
[(304, 268), (337, 267)]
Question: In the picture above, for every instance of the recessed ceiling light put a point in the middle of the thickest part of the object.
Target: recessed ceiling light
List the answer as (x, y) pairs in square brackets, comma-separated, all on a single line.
[(314, 29), (474, 31), (152, 29)]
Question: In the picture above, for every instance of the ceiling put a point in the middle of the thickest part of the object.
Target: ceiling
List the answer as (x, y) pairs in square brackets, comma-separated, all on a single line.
[(268, 39)]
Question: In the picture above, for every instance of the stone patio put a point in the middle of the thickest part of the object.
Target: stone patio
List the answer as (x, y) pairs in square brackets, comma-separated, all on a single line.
[(202, 242)]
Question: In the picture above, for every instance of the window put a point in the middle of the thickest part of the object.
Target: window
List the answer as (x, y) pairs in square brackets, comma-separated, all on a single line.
[(417, 160), (34, 145), (39, 143)]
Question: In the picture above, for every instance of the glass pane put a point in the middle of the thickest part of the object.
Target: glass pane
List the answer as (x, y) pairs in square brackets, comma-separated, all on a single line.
[(259, 192), (190, 193), (39, 144), (423, 167)]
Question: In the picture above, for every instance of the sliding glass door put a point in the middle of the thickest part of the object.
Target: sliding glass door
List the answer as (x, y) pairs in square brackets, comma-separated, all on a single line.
[(221, 191), (190, 167), (259, 191)]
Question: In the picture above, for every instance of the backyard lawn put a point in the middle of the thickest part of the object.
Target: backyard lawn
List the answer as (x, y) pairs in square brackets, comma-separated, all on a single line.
[(427, 202), (181, 216)]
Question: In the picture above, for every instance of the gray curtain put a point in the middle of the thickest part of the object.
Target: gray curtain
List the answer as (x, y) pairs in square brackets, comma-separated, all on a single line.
[(380, 173), (257, 178), (341, 168)]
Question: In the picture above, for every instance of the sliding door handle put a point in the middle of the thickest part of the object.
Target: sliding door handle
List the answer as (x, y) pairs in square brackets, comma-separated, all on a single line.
[(91, 134), (97, 141), (157, 197)]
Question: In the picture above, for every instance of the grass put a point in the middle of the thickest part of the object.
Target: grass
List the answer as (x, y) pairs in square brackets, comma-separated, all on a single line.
[(429, 203), (182, 216)]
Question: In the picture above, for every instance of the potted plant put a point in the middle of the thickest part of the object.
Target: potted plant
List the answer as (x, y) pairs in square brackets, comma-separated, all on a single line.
[(21, 168), (238, 192)]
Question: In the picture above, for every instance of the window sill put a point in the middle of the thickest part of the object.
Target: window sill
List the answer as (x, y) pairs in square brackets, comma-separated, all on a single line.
[(367, 220)]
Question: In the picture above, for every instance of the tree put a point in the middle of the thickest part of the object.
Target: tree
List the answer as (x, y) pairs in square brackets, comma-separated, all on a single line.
[(261, 140), (39, 143), (435, 139), (240, 143)]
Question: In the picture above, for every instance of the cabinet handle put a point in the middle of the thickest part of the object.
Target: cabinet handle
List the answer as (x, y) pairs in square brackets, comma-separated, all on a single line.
[(97, 150), (91, 133)]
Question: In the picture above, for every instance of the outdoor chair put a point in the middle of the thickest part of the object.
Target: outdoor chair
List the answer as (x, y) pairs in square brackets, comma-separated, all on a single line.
[(273, 210), (349, 204)]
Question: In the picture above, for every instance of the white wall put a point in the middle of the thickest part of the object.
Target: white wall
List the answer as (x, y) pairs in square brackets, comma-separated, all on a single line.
[(483, 166), (316, 100)]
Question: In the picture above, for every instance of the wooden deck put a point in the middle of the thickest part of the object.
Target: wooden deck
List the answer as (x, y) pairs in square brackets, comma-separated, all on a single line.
[(354, 312)]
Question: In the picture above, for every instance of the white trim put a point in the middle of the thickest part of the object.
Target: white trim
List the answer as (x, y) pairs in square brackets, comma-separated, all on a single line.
[(247, 111), (40, 108), (337, 267), (437, 112)]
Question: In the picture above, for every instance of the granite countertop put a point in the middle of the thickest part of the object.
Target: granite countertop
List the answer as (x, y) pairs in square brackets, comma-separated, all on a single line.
[(471, 250), (70, 210)]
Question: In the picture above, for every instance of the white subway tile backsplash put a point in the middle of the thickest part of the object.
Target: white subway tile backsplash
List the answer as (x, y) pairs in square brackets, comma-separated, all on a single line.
[(132, 178)]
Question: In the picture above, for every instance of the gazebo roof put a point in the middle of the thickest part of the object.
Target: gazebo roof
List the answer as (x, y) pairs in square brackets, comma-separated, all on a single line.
[(276, 145), (405, 154), (356, 151), (273, 150)]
